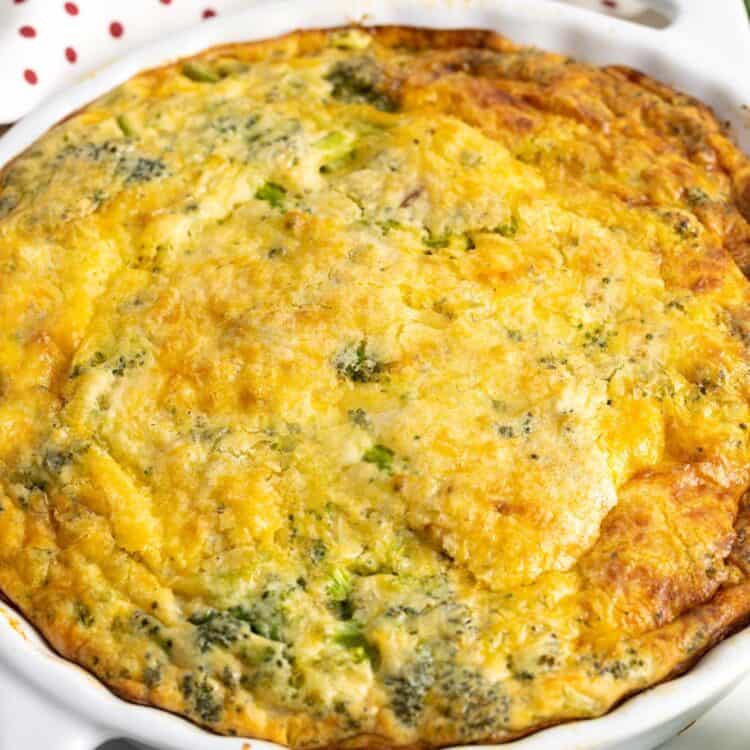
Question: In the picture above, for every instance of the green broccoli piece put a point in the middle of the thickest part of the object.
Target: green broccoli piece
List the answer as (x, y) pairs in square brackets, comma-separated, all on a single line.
[(271, 193), (223, 628), (339, 590), (126, 126), (142, 169), (409, 688), (199, 72), (202, 697), (436, 242), (361, 81), (357, 364), (340, 585), (351, 636), (509, 229), (381, 456), (265, 616), (215, 629), (83, 614)]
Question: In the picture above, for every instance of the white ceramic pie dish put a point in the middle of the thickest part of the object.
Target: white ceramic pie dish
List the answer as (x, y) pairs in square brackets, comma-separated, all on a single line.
[(46, 702)]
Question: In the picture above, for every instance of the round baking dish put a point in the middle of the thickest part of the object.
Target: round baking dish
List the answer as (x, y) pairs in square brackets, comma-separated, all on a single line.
[(47, 702)]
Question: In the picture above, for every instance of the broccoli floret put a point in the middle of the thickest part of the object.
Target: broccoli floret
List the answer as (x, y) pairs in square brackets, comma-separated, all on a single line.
[(409, 688), (351, 636), (142, 623), (54, 460), (339, 586), (401, 611), (32, 477), (199, 72), (361, 81), (465, 697), (338, 163), (357, 364), (381, 456), (509, 229), (359, 417), (695, 196), (462, 695), (620, 669), (524, 675), (318, 550), (339, 589), (271, 193), (265, 617), (436, 242), (143, 169), (152, 675), (223, 628), (202, 697), (83, 614), (123, 363), (214, 628)]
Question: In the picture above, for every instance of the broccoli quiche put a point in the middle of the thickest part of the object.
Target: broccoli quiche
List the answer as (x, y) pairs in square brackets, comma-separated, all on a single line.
[(378, 387)]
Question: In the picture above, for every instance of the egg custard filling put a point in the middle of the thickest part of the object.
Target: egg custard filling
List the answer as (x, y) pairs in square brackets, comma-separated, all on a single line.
[(378, 387)]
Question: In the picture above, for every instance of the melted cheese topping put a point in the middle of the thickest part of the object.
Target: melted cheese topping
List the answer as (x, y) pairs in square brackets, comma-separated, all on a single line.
[(387, 384)]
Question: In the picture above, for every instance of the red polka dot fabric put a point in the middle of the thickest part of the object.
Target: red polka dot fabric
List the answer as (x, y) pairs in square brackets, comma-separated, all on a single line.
[(116, 29), (48, 45)]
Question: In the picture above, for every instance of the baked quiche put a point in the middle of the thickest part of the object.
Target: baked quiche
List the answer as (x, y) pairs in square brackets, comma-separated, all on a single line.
[(378, 387)]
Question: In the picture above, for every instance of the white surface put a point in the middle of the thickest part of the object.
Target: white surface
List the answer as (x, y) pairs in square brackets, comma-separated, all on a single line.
[(702, 54), (724, 727)]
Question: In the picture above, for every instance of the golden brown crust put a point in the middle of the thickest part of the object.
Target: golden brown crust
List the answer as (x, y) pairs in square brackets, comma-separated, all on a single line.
[(658, 571)]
